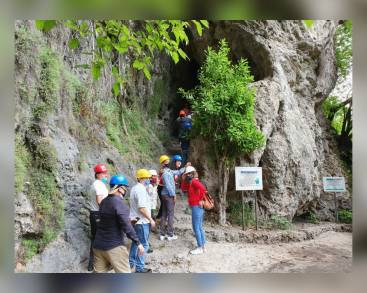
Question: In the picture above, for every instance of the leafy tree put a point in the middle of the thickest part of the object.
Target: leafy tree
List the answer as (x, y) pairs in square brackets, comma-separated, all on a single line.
[(223, 105), (343, 48), (142, 39), (337, 110)]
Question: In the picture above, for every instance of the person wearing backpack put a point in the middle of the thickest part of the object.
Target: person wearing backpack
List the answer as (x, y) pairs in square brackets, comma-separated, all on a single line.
[(108, 246), (196, 192), (185, 125), (98, 191)]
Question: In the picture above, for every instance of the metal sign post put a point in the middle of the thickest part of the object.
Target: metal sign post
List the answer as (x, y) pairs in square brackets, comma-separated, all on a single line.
[(256, 217), (243, 210), (248, 178), (334, 184)]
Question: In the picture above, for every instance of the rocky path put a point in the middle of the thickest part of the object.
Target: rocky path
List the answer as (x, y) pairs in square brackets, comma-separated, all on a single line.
[(325, 247)]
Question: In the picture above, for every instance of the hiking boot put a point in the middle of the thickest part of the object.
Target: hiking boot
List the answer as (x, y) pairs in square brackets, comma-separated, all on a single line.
[(162, 237), (173, 237), (145, 270), (198, 250)]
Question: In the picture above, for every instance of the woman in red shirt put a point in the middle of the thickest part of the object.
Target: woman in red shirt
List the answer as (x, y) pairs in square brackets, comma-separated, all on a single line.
[(196, 193)]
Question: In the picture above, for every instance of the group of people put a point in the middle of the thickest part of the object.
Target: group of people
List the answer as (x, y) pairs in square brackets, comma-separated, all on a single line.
[(111, 217)]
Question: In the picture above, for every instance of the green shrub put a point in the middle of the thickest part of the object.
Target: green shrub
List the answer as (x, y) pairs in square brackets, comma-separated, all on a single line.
[(345, 216), (279, 222)]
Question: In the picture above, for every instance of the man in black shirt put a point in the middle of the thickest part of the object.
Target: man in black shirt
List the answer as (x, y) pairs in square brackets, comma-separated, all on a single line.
[(108, 247)]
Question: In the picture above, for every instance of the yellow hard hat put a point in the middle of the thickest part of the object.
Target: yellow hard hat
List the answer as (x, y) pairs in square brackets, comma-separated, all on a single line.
[(163, 158), (143, 173)]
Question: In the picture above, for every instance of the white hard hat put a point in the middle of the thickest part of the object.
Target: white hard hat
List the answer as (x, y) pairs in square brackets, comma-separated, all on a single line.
[(153, 172), (189, 169)]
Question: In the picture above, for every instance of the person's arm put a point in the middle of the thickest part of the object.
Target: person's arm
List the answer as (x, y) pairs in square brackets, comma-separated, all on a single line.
[(147, 215), (168, 183), (99, 198), (123, 212)]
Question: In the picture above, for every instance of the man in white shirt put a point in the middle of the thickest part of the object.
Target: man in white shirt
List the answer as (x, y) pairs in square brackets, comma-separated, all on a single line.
[(140, 214), (98, 192)]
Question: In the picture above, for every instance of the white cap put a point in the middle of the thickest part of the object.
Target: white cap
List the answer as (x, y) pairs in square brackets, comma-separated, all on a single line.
[(189, 169), (153, 172)]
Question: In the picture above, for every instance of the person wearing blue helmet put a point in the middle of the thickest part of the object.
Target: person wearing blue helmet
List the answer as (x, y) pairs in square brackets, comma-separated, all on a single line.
[(108, 246), (177, 161)]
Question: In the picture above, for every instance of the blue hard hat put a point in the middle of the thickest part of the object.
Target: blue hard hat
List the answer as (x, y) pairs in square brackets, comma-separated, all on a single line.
[(176, 158), (118, 179)]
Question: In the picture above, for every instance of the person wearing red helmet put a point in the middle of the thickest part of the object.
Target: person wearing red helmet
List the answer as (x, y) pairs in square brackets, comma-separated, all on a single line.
[(98, 192)]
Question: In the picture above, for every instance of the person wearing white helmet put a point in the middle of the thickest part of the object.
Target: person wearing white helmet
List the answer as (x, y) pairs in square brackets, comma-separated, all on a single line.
[(196, 192), (152, 191)]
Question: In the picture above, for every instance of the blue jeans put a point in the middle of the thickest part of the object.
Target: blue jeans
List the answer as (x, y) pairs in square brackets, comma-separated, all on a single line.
[(142, 230), (197, 224)]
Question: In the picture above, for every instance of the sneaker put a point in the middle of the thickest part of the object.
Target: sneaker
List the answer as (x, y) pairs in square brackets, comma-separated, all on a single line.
[(162, 237), (173, 237), (145, 270), (198, 250)]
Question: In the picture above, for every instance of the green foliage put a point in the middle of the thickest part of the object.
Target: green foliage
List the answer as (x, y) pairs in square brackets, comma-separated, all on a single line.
[(223, 104), (45, 25), (345, 216), (22, 163), (49, 84), (312, 218), (31, 247), (25, 44), (279, 222), (308, 22), (333, 112), (115, 37), (235, 214), (343, 47), (129, 131)]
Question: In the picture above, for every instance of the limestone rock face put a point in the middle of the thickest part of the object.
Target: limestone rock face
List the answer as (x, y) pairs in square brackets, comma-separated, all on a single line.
[(295, 70)]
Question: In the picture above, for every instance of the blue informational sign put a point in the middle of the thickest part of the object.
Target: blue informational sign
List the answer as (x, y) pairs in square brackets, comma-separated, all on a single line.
[(248, 178), (334, 184)]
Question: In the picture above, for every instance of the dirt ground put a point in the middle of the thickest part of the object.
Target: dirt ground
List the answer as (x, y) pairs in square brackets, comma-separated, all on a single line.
[(235, 251), (330, 252)]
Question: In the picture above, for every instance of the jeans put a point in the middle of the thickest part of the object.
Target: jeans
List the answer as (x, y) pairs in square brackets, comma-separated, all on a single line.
[(197, 224), (168, 209), (142, 230), (93, 219)]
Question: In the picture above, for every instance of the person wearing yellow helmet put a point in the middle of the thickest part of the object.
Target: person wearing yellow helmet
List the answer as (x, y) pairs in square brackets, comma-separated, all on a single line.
[(140, 213), (168, 198)]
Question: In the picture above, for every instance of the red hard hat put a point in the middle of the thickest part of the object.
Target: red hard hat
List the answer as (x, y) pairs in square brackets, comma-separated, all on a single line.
[(100, 168)]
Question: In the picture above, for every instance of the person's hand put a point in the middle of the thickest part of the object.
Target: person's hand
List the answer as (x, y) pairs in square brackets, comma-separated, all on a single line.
[(140, 249), (174, 199), (201, 203), (152, 223)]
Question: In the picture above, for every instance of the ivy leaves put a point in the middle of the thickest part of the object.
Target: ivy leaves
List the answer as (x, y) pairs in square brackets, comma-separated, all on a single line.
[(141, 39)]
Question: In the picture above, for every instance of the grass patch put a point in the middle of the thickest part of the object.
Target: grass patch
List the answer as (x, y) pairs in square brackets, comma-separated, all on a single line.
[(22, 163), (30, 248), (129, 131), (49, 85), (279, 222)]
